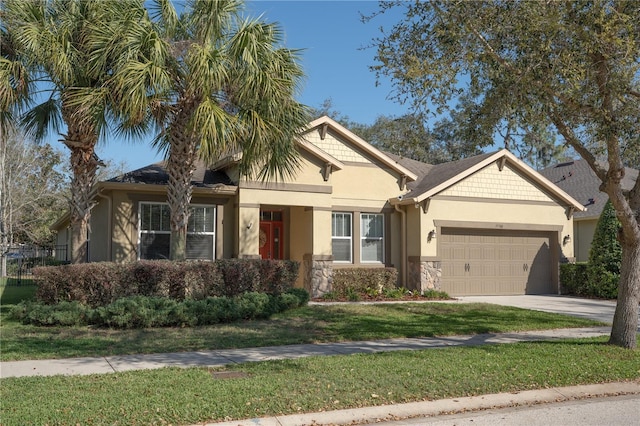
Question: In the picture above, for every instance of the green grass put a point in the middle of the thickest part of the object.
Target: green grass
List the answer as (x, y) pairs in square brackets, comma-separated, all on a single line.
[(311, 324), (188, 396), (12, 294)]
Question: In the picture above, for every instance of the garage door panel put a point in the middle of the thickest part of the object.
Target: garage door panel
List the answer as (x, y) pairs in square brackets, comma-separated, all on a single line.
[(495, 262)]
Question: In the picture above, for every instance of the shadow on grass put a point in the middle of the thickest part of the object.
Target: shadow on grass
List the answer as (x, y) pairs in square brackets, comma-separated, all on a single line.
[(11, 295), (438, 319)]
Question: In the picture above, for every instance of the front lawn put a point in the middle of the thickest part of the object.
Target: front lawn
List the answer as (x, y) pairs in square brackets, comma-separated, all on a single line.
[(196, 395), (311, 324)]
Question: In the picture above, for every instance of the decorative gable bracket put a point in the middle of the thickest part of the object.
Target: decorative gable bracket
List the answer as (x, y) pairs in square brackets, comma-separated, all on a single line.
[(323, 130), (570, 211), (326, 171), (424, 204), (403, 182), (501, 162)]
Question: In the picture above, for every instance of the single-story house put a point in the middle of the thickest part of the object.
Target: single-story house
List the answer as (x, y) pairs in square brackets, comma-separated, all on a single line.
[(577, 179), (489, 224)]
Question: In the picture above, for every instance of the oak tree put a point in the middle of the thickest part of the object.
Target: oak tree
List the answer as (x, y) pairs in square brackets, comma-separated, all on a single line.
[(571, 66)]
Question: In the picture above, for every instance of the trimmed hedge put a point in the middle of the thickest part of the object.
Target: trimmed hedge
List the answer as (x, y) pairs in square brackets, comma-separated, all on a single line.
[(145, 312), (348, 282), (101, 283), (574, 279)]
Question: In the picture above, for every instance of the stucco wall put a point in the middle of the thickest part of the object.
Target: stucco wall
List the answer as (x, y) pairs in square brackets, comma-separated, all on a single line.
[(125, 237), (494, 215), (99, 238), (583, 231)]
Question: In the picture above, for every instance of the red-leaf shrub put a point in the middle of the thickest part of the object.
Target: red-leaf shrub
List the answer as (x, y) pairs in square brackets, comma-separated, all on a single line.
[(101, 283)]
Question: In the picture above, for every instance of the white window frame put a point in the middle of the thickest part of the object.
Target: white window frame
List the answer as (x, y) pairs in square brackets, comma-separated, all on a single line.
[(342, 237), (165, 232), (364, 237)]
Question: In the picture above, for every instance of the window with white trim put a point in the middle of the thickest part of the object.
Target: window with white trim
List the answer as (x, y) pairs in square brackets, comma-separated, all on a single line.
[(155, 232), (341, 237), (371, 238)]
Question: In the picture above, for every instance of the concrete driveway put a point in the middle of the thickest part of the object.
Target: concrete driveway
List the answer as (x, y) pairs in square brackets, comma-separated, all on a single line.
[(600, 310)]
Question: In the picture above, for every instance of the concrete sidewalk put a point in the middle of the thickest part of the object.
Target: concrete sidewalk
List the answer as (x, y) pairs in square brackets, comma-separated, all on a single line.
[(367, 415), (217, 358)]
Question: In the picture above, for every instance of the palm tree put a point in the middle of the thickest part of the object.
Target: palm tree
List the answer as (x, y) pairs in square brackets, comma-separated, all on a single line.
[(57, 41), (232, 91)]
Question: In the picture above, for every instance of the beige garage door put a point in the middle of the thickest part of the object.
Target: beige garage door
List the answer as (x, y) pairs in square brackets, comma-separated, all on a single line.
[(489, 262)]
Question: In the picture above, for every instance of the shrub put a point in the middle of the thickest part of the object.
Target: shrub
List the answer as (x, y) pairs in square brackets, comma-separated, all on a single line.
[(278, 276), (348, 282), (300, 294), (394, 293), (127, 312), (436, 295), (64, 313), (603, 269), (253, 305), (92, 284), (143, 311), (573, 278), (101, 283)]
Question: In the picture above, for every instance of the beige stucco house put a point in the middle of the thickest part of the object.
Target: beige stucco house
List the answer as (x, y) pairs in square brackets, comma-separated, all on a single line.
[(578, 180), (484, 225)]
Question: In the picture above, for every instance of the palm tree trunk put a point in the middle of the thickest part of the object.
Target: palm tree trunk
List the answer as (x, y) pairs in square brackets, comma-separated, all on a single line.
[(625, 320), (83, 165), (181, 165)]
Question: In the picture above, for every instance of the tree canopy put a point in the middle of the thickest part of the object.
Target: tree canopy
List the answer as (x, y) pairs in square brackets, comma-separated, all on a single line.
[(573, 67), (216, 85), (55, 78)]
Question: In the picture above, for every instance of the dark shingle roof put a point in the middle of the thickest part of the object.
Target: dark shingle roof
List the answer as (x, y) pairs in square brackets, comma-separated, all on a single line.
[(418, 167), (441, 173), (156, 174), (578, 180)]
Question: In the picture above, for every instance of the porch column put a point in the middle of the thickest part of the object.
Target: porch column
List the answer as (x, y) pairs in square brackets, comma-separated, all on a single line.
[(318, 265), (248, 231)]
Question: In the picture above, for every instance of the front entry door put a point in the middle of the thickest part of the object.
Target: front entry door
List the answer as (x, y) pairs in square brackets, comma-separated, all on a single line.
[(270, 240)]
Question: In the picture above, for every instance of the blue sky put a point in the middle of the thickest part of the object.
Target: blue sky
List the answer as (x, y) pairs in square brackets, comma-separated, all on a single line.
[(334, 58)]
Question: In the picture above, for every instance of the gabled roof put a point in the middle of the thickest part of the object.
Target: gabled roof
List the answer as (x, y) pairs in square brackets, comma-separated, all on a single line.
[(323, 123), (324, 156), (442, 176), (156, 174), (418, 167), (579, 180)]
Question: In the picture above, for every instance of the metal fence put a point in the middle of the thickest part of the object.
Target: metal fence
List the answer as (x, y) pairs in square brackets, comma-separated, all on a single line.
[(19, 261)]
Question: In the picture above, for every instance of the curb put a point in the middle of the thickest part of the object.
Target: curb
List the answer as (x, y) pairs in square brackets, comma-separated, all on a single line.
[(439, 407)]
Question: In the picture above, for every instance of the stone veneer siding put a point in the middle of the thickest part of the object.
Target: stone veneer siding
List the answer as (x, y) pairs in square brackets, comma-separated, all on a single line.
[(318, 278), (424, 275)]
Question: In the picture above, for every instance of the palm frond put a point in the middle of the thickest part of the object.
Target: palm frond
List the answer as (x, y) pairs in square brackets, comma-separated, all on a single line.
[(207, 69), (42, 119), (217, 130), (163, 11), (210, 20)]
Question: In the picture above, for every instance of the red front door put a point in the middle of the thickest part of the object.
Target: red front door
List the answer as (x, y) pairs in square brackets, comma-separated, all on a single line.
[(270, 240)]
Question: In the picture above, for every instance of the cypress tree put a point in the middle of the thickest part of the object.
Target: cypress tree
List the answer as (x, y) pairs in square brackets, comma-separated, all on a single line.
[(603, 269)]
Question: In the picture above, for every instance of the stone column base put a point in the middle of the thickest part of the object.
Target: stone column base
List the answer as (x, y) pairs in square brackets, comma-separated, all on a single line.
[(318, 278), (424, 275)]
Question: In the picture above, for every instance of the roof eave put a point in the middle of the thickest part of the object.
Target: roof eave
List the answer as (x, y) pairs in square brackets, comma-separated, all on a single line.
[(361, 143), (537, 177), (218, 188), (326, 157)]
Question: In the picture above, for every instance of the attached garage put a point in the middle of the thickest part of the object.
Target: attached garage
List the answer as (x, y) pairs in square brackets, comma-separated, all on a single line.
[(496, 262), (486, 225)]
